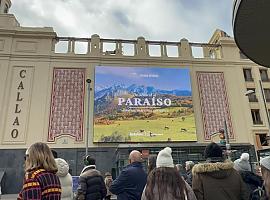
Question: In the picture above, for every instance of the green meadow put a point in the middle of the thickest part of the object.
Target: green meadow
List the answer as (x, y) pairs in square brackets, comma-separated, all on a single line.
[(147, 130)]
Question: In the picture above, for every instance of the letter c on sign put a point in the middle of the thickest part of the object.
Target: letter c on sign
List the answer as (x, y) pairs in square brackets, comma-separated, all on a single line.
[(22, 73)]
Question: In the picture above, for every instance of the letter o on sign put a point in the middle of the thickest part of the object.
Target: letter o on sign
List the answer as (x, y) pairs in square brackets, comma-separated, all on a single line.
[(14, 133)]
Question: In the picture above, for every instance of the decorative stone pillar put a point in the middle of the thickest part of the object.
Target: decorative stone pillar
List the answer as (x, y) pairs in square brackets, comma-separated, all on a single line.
[(5, 6), (95, 45), (141, 47), (185, 49)]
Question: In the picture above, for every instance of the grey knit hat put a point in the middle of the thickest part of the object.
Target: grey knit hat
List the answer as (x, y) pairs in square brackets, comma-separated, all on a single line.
[(242, 164), (266, 162)]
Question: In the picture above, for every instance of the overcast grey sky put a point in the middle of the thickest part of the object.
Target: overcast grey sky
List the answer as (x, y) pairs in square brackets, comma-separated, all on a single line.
[(168, 20)]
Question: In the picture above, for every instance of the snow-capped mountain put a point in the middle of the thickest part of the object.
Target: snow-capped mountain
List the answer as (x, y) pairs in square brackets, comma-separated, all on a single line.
[(138, 90)]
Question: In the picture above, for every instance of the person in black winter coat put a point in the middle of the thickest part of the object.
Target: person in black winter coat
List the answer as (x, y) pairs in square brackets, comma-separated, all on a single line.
[(91, 183), (130, 183), (252, 180)]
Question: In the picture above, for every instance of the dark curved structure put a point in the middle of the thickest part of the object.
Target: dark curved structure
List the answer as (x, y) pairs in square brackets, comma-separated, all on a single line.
[(251, 28)]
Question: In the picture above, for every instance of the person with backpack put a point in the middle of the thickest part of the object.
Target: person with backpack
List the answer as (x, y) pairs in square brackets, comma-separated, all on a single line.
[(252, 180), (263, 193)]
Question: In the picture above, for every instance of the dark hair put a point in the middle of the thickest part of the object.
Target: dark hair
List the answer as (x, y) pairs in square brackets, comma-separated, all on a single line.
[(180, 168), (55, 154), (151, 163), (165, 178), (89, 161), (213, 150)]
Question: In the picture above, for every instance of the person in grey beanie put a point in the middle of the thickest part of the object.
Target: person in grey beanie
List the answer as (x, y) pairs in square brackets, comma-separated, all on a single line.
[(253, 181)]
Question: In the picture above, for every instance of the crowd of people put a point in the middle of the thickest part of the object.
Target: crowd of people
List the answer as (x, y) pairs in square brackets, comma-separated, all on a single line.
[(47, 178)]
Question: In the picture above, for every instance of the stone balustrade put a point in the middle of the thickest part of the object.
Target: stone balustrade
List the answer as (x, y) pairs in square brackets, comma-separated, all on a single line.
[(140, 48)]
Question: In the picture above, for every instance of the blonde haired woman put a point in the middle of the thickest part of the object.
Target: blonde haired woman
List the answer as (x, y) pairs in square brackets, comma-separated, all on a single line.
[(40, 181)]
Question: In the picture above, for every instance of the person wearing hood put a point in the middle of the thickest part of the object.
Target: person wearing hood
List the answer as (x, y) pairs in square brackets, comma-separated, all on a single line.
[(64, 176), (91, 182), (216, 178), (252, 180), (65, 179)]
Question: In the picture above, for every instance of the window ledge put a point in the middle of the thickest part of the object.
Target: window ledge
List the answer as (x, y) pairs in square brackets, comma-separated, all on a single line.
[(258, 125)]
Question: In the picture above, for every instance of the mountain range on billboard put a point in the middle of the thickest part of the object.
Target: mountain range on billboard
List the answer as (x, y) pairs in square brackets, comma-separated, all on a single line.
[(140, 90), (143, 104)]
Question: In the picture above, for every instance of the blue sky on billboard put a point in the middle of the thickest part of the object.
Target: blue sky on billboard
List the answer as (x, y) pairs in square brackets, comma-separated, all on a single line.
[(166, 20), (159, 78)]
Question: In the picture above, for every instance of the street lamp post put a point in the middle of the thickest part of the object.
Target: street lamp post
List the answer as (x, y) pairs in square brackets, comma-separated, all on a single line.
[(226, 134), (88, 81)]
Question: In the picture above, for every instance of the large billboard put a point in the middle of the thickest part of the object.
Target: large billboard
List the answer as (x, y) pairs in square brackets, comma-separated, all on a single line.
[(143, 104)]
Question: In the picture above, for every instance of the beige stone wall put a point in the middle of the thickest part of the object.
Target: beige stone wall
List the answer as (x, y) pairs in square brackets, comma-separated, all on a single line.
[(27, 60)]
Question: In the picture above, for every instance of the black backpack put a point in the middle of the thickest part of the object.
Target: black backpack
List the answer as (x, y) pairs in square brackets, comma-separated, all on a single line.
[(258, 194)]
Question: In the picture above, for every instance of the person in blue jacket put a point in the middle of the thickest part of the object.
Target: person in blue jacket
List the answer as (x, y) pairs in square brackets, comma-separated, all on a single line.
[(130, 183)]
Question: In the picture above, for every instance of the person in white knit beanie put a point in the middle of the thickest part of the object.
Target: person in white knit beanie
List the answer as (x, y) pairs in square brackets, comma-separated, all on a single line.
[(252, 180), (242, 164), (164, 158), (164, 182)]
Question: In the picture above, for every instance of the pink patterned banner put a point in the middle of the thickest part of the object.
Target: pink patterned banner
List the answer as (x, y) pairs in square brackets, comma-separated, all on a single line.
[(214, 103), (67, 103)]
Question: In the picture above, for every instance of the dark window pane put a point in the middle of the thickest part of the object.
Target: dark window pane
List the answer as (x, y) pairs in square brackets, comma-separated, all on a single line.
[(247, 75), (255, 113), (267, 95), (252, 97), (264, 75), (263, 139)]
